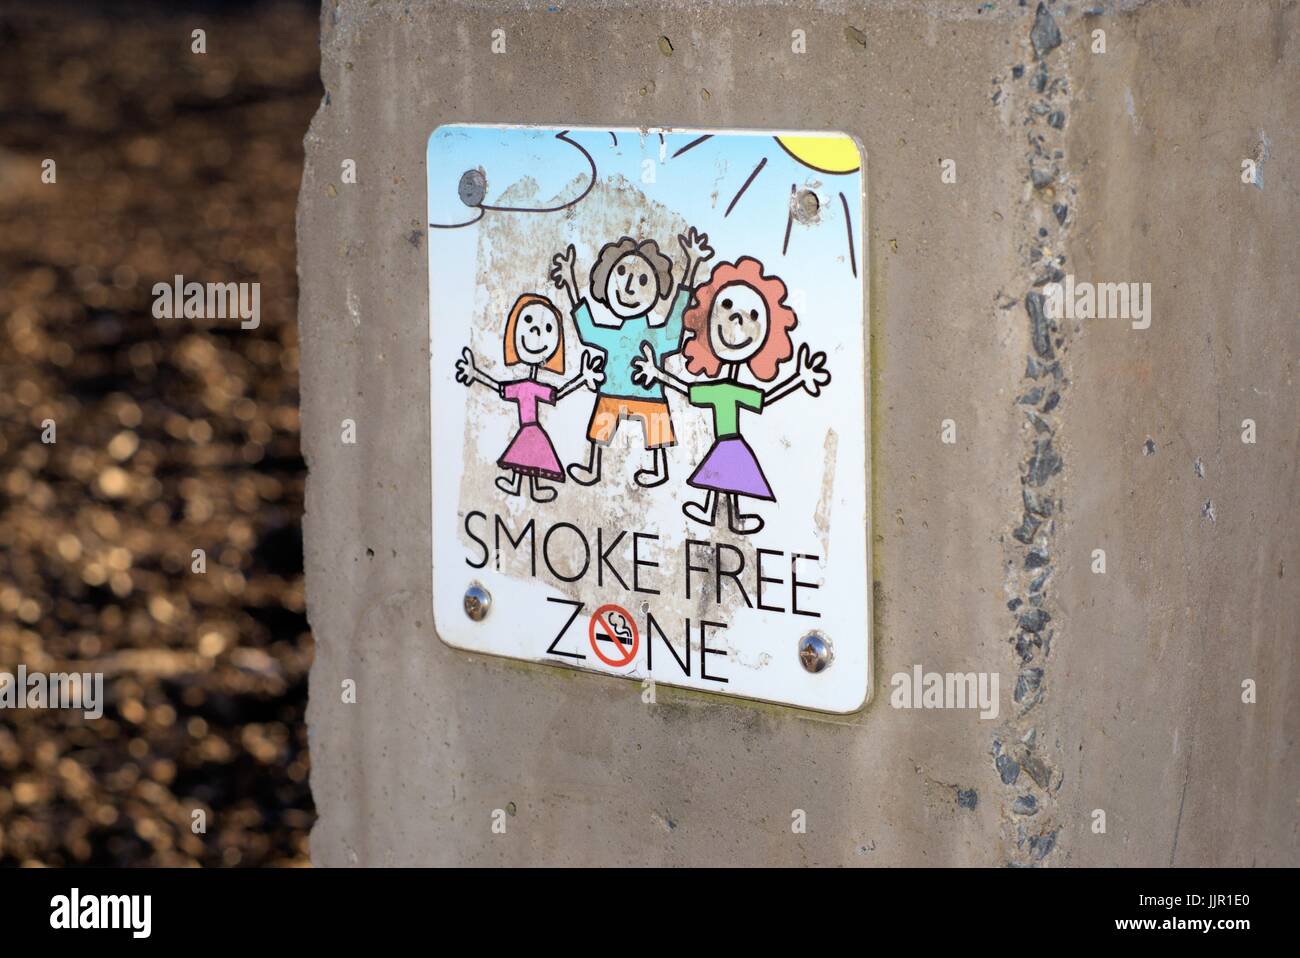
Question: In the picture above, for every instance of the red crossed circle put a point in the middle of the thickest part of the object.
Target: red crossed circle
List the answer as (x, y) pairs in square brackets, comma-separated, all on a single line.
[(600, 622)]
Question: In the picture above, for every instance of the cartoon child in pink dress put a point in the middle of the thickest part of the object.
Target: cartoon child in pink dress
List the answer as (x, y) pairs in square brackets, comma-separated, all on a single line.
[(533, 337), (738, 319)]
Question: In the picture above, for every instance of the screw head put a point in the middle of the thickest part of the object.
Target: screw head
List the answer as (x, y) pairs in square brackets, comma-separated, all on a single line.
[(477, 602), (806, 206), (815, 652), (472, 188)]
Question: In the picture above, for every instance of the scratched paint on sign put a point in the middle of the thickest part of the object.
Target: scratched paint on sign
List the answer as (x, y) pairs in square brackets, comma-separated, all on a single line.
[(649, 404)]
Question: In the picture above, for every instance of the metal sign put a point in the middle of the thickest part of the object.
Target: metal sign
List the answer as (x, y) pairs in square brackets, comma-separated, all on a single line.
[(649, 406)]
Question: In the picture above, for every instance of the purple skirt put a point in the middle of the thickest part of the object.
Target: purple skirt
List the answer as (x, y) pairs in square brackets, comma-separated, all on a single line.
[(730, 467)]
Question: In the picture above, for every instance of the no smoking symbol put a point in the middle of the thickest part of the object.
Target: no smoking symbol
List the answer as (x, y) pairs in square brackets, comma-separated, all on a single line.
[(613, 623)]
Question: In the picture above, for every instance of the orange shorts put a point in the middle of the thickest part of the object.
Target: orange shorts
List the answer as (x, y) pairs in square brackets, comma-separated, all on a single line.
[(609, 411)]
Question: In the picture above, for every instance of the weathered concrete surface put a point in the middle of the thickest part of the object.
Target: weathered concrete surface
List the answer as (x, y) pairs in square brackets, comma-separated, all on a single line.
[(1140, 711), (1147, 686)]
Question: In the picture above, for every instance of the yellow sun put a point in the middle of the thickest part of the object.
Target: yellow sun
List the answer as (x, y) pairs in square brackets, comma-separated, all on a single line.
[(826, 154)]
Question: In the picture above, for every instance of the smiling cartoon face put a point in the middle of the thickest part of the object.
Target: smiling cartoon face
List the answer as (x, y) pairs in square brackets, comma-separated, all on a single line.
[(738, 322), (537, 334), (632, 288)]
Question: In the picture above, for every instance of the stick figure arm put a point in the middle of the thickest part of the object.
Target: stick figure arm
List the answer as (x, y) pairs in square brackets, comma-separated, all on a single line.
[(468, 373), (782, 389), (697, 249), (668, 337), (585, 324), (810, 374), (564, 275), (573, 385), (591, 373), (646, 373), (672, 382)]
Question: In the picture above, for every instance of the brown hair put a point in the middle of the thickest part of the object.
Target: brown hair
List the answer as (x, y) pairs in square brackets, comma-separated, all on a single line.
[(648, 250), (556, 361), (776, 348)]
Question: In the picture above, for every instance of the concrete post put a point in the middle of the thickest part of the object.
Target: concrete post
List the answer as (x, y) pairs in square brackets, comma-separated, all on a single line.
[(1128, 730)]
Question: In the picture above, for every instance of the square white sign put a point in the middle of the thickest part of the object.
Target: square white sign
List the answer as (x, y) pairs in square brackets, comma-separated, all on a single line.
[(649, 398)]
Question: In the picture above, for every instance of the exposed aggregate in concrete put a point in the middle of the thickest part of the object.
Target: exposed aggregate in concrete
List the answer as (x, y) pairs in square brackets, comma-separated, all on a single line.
[(1046, 216)]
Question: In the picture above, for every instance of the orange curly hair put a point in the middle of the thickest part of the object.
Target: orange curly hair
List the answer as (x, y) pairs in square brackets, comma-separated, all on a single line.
[(776, 348)]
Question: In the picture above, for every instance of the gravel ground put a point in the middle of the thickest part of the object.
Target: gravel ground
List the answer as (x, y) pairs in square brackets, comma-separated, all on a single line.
[(170, 435)]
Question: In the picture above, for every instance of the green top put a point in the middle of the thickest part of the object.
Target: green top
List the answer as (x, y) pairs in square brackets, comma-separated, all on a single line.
[(726, 398), (622, 344)]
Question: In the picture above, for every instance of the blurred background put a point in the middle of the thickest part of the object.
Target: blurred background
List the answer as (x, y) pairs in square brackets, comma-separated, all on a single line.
[(172, 435)]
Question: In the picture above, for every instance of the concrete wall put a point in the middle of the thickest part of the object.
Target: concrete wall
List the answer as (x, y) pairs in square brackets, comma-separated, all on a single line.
[(1128, 699)]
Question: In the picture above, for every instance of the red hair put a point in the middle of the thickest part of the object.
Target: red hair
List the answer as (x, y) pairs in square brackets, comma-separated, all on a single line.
[(776, 348)]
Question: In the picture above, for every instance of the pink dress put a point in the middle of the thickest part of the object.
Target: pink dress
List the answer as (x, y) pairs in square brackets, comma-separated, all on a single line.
[(531, 451)]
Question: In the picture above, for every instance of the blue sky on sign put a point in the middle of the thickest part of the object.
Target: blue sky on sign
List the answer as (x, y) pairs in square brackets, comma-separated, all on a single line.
[(699, 184)]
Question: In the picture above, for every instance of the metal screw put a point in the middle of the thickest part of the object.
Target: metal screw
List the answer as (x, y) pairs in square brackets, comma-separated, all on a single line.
[(477, 602), (815, 652), (806, 206), (472, 188)]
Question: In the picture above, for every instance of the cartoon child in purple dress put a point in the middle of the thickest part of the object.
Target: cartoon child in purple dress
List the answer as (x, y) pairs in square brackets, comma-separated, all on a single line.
[(739, 318), (533, 337)]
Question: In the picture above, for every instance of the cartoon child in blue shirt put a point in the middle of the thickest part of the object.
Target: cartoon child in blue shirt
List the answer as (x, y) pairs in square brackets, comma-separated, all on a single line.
[(629, 278)]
